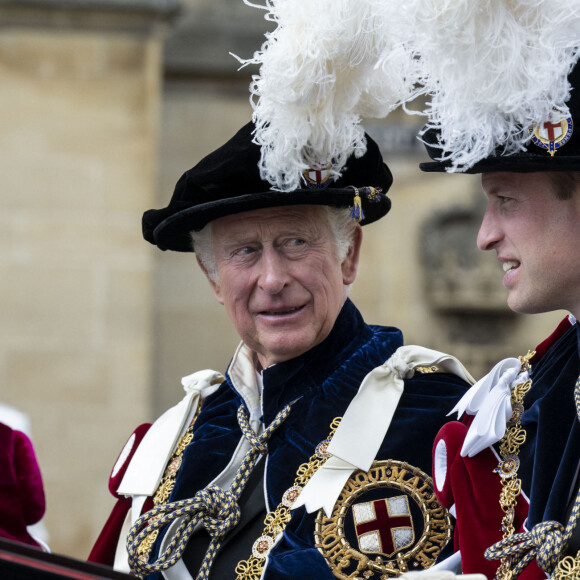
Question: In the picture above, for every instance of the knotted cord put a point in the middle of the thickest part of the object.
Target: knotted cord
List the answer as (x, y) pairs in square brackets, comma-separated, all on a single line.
[(546, 541), (216, 509)]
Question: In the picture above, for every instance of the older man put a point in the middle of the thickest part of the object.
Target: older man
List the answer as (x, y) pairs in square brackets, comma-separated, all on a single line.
[(255, 473), (511, 468)]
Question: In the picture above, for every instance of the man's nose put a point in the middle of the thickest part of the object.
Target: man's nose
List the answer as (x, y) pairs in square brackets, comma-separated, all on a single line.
[(273, 271), (489, 232)]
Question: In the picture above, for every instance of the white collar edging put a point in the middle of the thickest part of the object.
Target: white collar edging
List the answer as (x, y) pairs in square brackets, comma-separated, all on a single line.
[(489, 400), (366, 421), (242, 373), (148, 464)]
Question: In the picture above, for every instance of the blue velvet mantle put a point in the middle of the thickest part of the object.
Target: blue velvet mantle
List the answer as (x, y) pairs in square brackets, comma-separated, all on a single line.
[(322, 382), (551, 454)]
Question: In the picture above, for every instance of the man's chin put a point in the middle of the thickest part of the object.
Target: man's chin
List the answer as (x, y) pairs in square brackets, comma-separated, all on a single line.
[(518, 308), (527, 306), (281, 351)]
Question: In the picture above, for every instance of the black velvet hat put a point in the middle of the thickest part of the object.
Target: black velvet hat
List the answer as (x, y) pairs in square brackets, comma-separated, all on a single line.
[(228, 181), (554, 144)]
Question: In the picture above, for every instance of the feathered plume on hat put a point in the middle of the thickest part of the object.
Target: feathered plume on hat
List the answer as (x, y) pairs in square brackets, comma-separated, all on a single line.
[(492, 69), (327, 64)]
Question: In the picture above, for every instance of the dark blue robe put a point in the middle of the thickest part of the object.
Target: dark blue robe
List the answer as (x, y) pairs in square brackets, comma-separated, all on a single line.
[(322, 382), (551, 454), (549, 461)]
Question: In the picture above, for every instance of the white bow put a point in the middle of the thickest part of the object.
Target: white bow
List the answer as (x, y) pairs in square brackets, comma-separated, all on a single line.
[(489, 401), (366, 421)]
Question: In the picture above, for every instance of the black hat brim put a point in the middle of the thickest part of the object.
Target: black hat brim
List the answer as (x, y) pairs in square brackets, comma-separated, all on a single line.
[(517, 163), (228, 181), (174, 231)]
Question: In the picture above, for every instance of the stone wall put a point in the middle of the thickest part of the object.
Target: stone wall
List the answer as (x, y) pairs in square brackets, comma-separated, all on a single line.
[(80, 86)]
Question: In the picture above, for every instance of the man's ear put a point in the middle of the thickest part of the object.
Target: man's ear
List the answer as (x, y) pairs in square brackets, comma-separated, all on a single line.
[(215, 286), (350, 264)]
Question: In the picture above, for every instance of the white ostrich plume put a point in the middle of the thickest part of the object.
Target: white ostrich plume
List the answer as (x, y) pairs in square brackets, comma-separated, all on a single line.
[(327, 65), (493, 68)]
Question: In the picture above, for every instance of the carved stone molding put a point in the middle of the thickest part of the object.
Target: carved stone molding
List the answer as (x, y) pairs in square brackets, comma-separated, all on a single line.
[(139, 16), (458, 276), (463, 287)]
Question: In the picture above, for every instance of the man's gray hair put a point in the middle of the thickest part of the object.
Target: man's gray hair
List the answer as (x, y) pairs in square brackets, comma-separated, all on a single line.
[(342, 228)]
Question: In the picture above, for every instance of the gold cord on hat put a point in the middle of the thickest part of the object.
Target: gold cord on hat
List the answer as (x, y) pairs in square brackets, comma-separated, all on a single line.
[(356, 211)]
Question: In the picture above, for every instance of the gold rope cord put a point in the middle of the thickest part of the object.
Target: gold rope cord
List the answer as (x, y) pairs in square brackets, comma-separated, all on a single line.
[(514, 438), (568, 567), (215, 508), (275, 522)]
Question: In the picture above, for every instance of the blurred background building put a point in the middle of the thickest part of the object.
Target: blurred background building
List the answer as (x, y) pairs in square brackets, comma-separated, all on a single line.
[(103, 105)]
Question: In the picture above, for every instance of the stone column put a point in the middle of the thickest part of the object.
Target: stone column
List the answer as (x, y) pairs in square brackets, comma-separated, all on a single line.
[(79, 107)]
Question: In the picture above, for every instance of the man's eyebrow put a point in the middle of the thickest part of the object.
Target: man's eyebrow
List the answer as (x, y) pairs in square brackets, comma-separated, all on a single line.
[(227, 242), (493, 190)]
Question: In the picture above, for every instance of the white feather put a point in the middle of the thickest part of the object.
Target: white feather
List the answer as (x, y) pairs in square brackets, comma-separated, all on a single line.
[(493, 68), (327, 64), (490, 70)]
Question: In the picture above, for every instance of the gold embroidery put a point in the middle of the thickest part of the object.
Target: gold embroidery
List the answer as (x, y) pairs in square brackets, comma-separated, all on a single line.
[(514, 438), (339, 555), (568, 568), (275, 522), (388, 543), (146, 545), (547, 540), (427, 370), (167, 483)]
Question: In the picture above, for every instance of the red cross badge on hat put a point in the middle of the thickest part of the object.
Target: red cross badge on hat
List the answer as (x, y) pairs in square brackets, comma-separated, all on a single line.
[(554, 132), (317, 178)]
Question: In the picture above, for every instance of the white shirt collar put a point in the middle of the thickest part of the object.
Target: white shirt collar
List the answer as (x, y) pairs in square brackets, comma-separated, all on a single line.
[(247, 380)]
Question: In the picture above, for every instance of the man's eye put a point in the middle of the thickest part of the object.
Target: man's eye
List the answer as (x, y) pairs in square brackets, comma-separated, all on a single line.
[(297, 242), (245, 251)]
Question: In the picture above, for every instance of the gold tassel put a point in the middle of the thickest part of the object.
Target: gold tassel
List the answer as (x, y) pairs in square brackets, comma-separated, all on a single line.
[(356, 212)]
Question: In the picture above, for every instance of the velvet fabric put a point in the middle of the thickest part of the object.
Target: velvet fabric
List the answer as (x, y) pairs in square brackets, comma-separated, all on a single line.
[(321, 383), (104, 549), (551, 453), (228, 181), (549, 460), (473, 488), (421, 410), (22, 500)]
